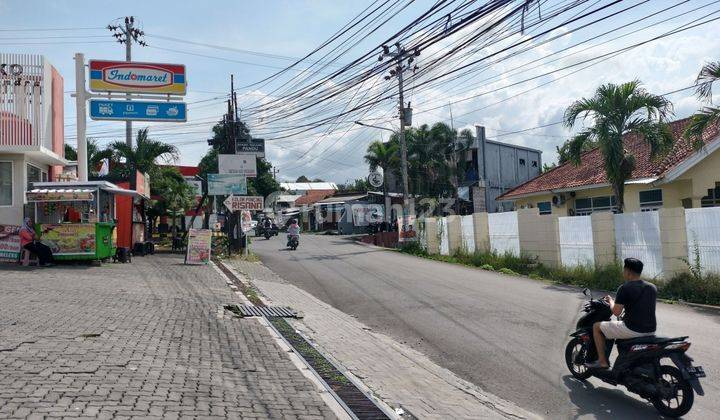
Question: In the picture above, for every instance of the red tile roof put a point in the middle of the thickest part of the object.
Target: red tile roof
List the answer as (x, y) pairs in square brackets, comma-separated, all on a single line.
[(313, 196), (591, 171)]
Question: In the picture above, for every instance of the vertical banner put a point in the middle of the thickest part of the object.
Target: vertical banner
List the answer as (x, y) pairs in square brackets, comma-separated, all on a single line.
[(9, 243), (406, 228), (198, 246)]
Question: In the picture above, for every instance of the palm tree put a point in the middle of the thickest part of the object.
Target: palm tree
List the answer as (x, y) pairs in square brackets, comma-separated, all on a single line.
[(617, 110), (143, 157), (384, 156), (709, 115), (95, 155)]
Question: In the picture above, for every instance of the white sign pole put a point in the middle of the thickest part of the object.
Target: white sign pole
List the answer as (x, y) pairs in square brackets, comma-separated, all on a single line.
[(80, 104)]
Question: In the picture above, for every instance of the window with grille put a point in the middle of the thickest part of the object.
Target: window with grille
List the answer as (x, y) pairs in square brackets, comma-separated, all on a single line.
[(544, 207), (712, 199), (651, 200), (586, 206)]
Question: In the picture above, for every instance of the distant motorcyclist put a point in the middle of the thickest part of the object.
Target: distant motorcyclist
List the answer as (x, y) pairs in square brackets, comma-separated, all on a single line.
[(293, 230)]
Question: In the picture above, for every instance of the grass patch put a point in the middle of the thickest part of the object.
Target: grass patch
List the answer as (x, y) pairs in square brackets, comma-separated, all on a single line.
[(689, 287)]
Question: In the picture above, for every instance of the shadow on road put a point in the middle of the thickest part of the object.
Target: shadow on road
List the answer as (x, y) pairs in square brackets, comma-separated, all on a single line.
[(604, 403)]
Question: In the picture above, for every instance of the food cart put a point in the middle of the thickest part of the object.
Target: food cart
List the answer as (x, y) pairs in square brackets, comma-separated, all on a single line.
[(77, 220)]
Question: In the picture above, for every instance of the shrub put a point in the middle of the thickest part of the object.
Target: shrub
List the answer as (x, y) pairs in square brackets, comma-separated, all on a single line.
[(688, 287), (507, 271), (413, 248), (487, 267)]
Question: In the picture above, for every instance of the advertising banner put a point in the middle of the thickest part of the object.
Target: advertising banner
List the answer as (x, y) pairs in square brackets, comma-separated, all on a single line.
[(406, 228), (198, 247), (251, 146), (243, 164), (226, 184), (239, 203), (69, 239), (159, 111), (59, 195), (9, 243), (133, 77), (246, 221)]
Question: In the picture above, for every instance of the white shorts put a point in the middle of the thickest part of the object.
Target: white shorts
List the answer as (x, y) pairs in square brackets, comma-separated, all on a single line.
[(618, 330)]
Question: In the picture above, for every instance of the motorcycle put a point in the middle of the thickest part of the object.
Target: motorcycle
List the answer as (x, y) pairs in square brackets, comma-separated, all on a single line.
[(293, 242), (637, 367), (266, 231)]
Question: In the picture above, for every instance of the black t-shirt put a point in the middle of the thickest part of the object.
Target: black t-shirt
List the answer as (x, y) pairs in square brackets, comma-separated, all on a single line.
[(638, 298)]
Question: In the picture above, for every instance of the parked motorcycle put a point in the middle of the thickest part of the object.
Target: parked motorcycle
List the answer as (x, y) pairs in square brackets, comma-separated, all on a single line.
[(671, 389), (293, 242)]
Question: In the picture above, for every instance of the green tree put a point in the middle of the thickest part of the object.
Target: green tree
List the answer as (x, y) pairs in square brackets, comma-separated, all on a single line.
[(143, 156), (177, 195), (302, 178), (564, 154), (617, 110), (384, 156), (708, 115), (95, 154)]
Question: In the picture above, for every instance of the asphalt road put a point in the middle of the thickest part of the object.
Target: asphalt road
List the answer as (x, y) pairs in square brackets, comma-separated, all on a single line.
[(506, 334)]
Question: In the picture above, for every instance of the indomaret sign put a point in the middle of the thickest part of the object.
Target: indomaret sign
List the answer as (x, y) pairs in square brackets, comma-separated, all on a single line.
[(133, 77)]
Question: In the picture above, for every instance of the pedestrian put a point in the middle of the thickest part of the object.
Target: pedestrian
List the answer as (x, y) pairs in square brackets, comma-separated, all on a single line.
[(28, 240)]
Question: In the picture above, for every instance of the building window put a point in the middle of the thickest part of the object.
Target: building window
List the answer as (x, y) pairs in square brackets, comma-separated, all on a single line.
[(586, 206), (651, 200), (534, 163), (522, 162), (712, 199), (33, 175), (544, 207), (6, 182)]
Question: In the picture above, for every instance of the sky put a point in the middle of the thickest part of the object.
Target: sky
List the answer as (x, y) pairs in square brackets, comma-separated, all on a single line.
[(494, 99)]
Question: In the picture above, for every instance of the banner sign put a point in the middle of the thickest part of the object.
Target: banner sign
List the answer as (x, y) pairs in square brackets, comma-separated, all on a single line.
[(251, 146), (69, 239), (9, 243), (243, 164), (59, 195), (159, 111), (133, 77), (198, 247), (239, 203), (226, 184), (246, 221), (406, 228)]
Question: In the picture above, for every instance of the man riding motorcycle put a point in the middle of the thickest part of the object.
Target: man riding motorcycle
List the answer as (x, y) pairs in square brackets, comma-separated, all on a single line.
[(637, 298), (293, 230)]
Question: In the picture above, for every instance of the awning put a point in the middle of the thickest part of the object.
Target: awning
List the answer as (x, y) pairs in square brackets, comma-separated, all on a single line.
[(59, 194), (122, 191)]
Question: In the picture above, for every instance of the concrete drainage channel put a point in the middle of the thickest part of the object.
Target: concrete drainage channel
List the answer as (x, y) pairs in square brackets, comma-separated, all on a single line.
[(355, 402)]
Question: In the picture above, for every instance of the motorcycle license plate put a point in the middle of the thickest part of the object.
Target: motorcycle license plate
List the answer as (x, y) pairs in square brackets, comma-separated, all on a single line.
[(696, 371)]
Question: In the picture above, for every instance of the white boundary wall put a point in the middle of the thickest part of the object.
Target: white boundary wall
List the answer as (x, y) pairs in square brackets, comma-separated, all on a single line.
[(503, 232), (576, 241), (467, 228), (637, 235), (703, 232), (444, 237)]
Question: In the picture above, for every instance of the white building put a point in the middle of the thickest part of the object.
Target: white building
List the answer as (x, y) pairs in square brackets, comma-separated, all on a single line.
[(31, 129)]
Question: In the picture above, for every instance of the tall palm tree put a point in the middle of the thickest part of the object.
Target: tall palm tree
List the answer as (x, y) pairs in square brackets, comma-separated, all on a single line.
[(384, 156), (95, 155), (617, 110), (708, 115), (143, 157)]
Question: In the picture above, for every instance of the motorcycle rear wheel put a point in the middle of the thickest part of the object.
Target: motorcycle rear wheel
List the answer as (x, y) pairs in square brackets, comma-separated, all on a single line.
[(674, 387), (579, 371)]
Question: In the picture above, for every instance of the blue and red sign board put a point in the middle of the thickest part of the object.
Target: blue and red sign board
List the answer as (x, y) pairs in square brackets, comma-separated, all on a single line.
[(134, 77)]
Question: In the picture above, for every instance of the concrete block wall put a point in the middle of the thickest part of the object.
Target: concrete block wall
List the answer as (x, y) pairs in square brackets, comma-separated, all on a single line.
[(431, 235), (673, 236), (482, 233), (454, 233), (603, 230), (539, 236)]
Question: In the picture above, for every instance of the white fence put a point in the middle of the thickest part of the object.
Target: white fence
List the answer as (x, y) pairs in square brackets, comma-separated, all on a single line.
[(468, 233), (637, 235), (444, 236), (503, 233), (703, 237), (576, 241)]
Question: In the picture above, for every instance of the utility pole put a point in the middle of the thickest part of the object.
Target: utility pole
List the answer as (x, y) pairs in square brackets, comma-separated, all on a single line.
[(403, 61), (127, 34), (275, 172)]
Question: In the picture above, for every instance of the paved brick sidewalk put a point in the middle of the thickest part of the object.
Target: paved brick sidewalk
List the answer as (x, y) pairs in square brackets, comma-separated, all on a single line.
[(398, 374), (143, 339)]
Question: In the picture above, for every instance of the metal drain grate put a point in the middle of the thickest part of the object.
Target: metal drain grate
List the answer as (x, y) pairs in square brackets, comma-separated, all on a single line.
[(278, 311)]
